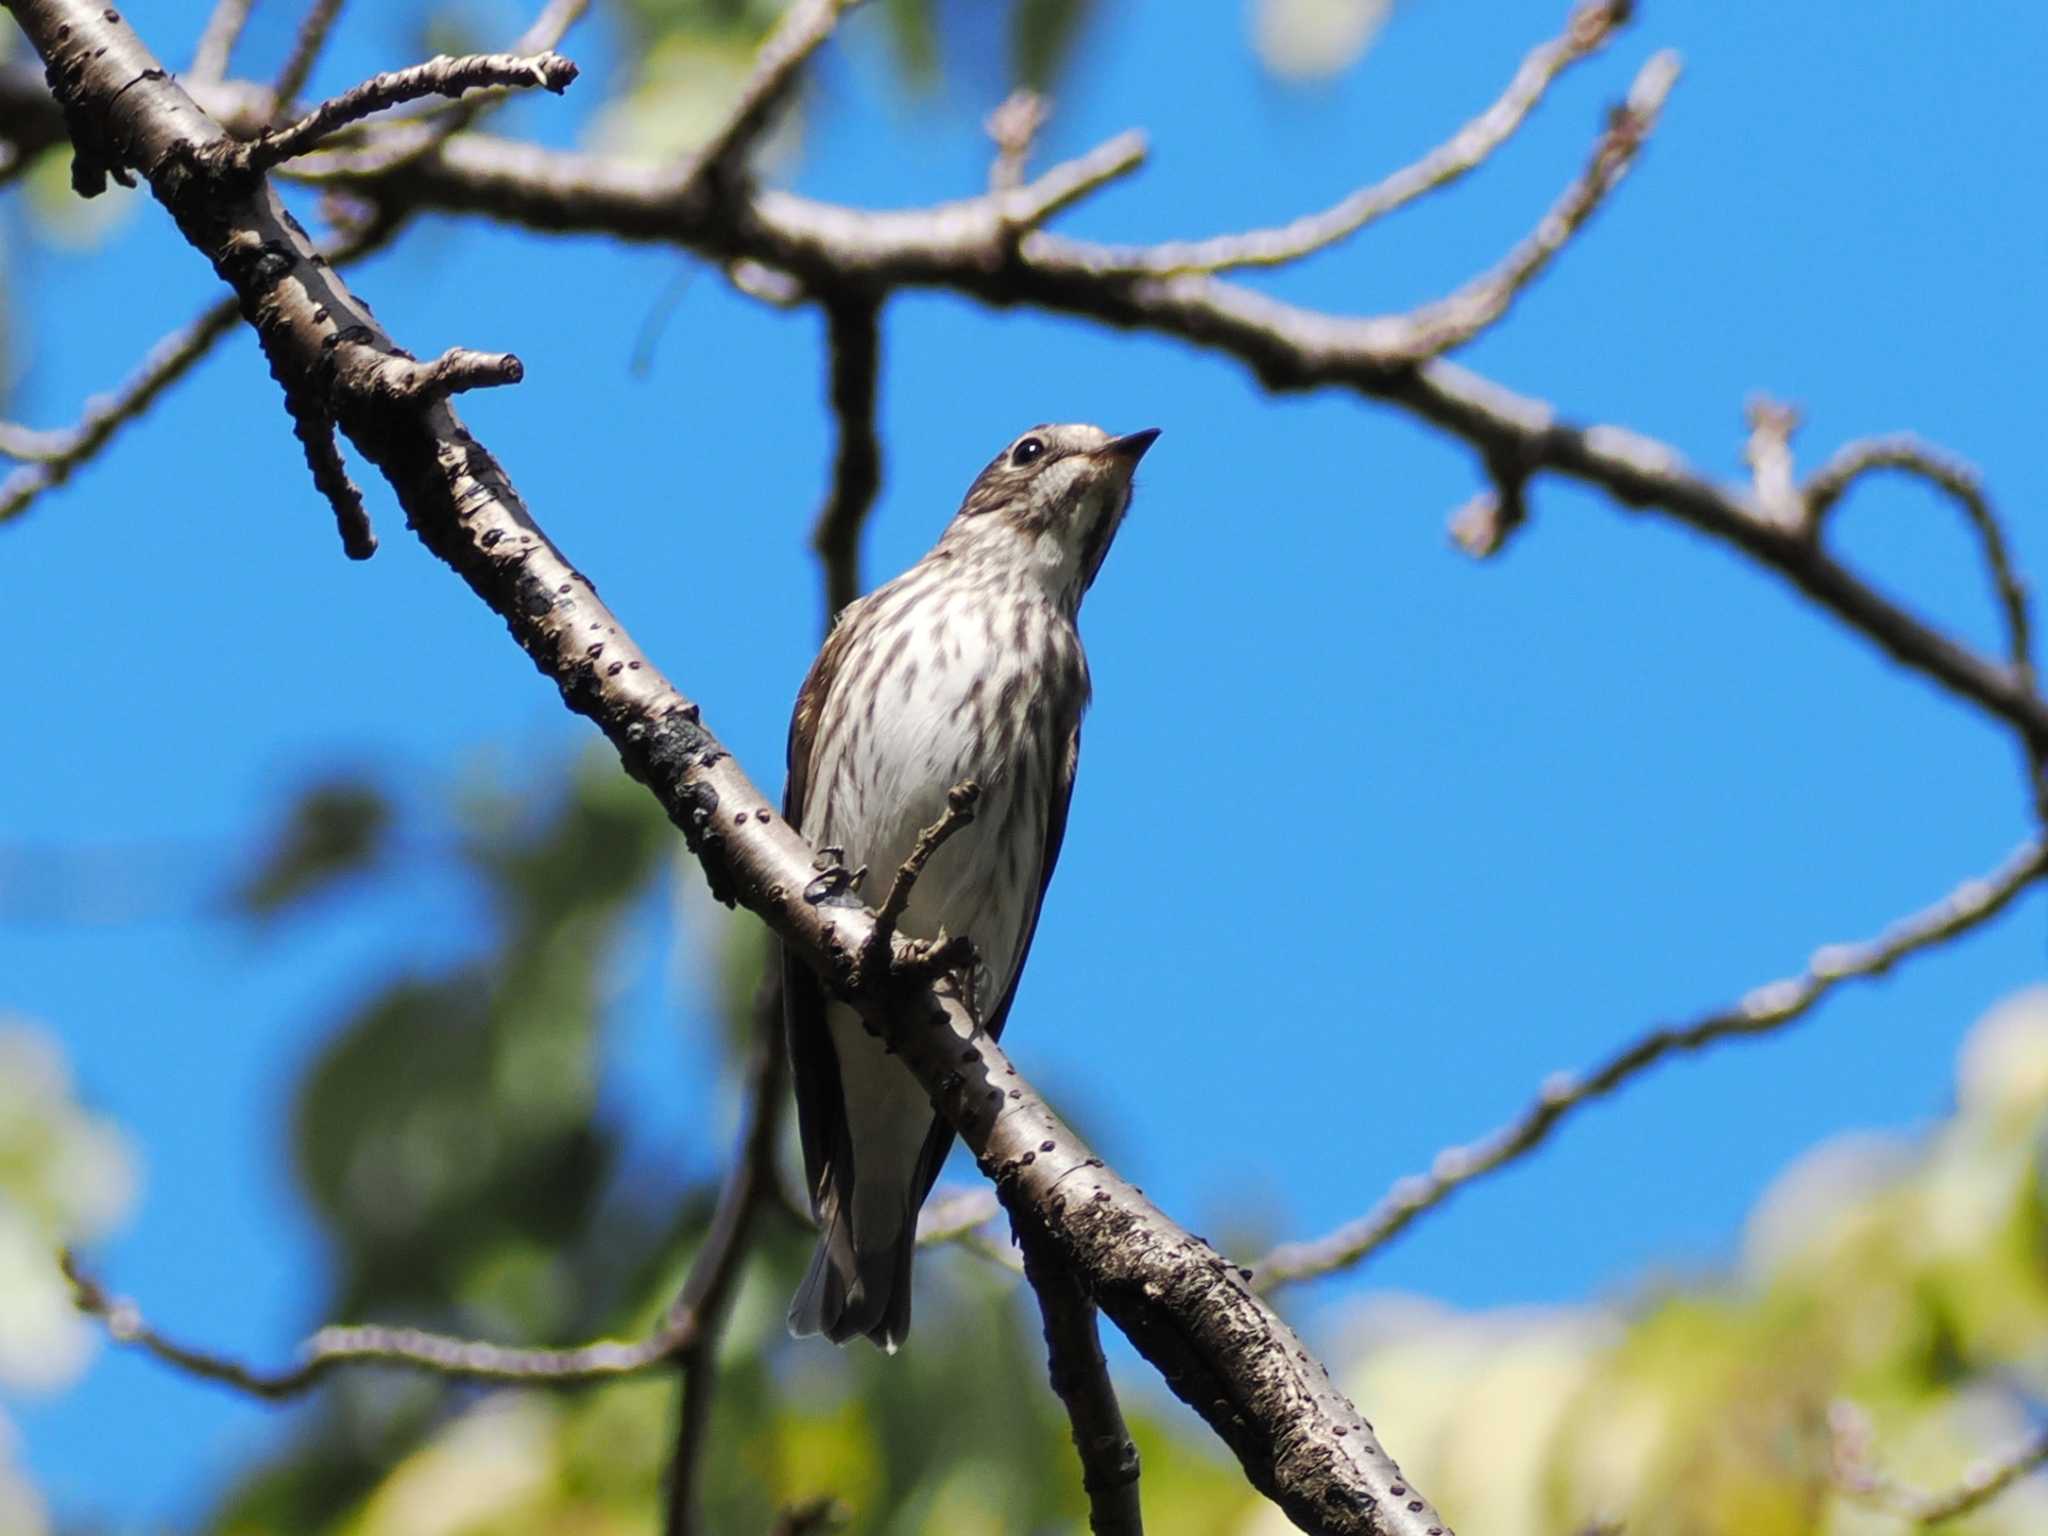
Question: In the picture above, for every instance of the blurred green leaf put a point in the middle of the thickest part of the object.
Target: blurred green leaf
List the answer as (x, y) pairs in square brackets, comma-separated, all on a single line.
[(1042, 36), (333, 831)]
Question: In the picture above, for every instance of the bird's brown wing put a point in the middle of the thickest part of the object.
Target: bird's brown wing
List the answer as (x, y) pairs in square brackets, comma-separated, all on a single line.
[(814, 1065), (932, 1157)]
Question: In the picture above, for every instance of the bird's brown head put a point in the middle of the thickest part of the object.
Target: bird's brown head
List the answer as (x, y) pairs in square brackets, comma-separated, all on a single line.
[(1050, 503)]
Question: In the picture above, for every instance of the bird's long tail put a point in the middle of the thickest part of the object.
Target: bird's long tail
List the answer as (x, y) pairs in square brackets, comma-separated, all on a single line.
[(854, 1288)]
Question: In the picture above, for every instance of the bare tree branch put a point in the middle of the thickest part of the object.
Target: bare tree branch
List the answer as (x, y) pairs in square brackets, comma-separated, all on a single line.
[(1763, 1010), (969, 247), (1449, 323), (298, 64), (217, 43), (53, 456), (1188, 1310), (1080, 1379), (707, 1294), (442, 76), (686, 1332), (777, 67), (1856, 1476), (853, 348), (1586, 30), (1907, 454), (1014, 127)]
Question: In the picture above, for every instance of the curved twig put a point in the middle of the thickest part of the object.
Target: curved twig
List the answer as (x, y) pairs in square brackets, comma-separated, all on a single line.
[(1763, 1010), (1588, 28)]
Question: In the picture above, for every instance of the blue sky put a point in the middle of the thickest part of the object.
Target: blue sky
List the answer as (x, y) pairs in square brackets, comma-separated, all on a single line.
[(1525, 809)]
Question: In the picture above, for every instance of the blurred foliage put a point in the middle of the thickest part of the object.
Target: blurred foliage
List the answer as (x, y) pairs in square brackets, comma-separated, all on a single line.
[(465, 1170), (66, 1176)]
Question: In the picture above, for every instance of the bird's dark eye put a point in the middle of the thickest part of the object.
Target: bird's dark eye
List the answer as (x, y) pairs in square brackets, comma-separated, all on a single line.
[(1026, 451)]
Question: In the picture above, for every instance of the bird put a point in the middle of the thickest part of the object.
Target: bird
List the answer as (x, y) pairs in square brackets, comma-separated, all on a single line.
[(968, 667)]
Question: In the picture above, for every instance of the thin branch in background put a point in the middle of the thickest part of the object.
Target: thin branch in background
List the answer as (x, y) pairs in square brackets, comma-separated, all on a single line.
[(1588, 27), (1450, 322), (777, 68), (217, 43), (1080, 1379), (694, 1315), (951, 1217), (853, 345), (1766, 1009), (1014, 127), (54, 455), (298, 64), (370, 1344), (442, 76), (550, 26), (1856, 1474), (1961, 483), (707, 1294)]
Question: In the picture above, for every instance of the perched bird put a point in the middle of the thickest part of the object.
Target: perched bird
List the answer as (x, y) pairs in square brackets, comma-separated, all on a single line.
[(966, 667)]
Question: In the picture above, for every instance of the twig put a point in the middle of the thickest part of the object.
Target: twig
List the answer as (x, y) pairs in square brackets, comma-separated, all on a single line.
[(313, 425), (1014, 126), (1856, 1476), (1080, 1379), (1909, 455), (1769, 453), (1587, 29), (1766, 1009), (298, 64), (692, 1319), (875, 962), (952, 1218), (399, 142), (1451, 322), (550, 26), (707, 1294), (853, 343), (452, 373), (371, 1344), (1483, 526), (55, 455), (217, 43), (442, 76), (799, 34)]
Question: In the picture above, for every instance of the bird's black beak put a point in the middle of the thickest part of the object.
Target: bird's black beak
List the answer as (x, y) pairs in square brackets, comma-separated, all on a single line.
[(1131, 445)]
